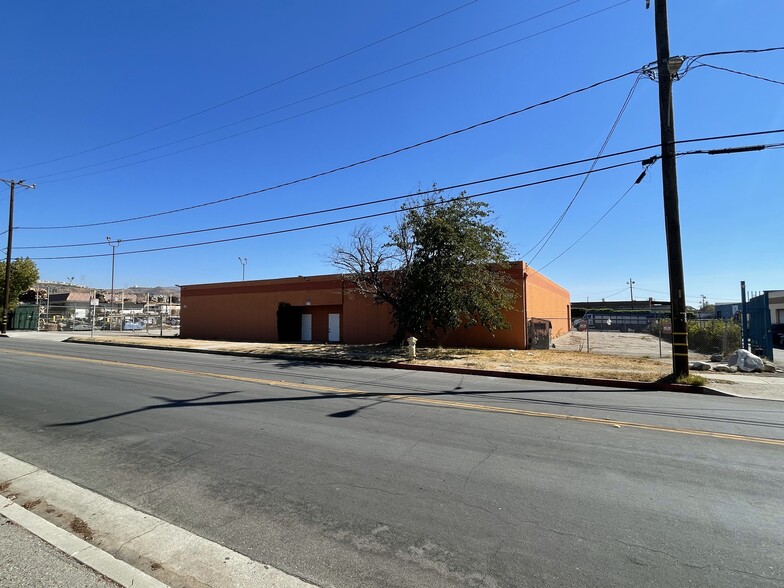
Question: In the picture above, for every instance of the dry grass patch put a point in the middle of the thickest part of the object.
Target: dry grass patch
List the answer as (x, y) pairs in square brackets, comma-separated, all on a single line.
[(545, 362)]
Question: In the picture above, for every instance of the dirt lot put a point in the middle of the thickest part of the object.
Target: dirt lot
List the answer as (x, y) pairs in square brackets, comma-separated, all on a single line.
[(620, 356)]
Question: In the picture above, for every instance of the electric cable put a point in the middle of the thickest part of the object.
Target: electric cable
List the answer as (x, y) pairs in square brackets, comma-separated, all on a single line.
[(614, 294), (601, 218), (646, 165), (740, 73), (289, 105), (345, 220), (560, 219), (346, 206), (252, 92), (739, 51), (645, 162), (351, 165), (307, 112), (400, 197), (388, 199)]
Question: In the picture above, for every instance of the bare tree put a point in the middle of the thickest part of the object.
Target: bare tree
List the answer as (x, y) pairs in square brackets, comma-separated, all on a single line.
[(437, 267)]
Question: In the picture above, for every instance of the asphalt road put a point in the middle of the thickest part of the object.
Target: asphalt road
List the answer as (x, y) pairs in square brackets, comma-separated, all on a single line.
[(375, 477)]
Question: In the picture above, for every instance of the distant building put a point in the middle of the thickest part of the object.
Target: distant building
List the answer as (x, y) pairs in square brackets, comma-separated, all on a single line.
[(658, 306), (324, 308), (776, 306), (728, 310), (68, 304)]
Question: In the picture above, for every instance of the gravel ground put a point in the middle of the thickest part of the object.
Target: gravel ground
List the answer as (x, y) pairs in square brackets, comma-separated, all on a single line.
[(621, 344)]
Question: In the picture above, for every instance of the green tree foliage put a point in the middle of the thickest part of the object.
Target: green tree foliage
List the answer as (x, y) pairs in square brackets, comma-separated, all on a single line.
[(24, 274), (438, 267)]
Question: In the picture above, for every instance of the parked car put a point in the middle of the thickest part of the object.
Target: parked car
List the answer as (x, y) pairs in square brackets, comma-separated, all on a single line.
[(132, 326)]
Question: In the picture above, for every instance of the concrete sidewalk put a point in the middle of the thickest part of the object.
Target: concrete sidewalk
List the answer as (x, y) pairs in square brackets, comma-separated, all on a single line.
[(34, 552), (761, 386), (35, 500)]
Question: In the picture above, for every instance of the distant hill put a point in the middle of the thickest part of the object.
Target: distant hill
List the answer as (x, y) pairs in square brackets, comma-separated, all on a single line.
[(134, 293)]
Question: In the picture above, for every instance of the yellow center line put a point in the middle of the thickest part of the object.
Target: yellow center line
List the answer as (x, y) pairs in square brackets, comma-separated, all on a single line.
[(409, 398)]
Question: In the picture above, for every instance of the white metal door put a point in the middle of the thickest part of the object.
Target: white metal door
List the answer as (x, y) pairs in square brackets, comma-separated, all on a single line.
[(307, 327), (334, 327)]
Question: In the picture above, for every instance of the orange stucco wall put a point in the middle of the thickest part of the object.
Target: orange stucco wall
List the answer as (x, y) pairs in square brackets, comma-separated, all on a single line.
[(248, 311), (511, 338), (547, 300)]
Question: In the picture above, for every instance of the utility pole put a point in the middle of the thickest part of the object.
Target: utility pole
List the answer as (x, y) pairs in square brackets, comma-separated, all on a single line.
[(114, 245), (631, 291), (7, 291), (703, 301), (667, 70), (244, 262)]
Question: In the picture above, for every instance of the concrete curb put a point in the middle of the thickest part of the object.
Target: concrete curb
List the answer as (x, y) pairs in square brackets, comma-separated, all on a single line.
[(645, 386), (77, 548), (182, 557)]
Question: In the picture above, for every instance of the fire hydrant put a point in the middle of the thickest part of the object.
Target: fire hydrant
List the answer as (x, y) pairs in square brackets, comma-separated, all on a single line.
[(412, 347)]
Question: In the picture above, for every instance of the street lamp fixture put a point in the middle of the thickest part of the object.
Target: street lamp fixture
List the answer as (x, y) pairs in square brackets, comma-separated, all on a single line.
[(674, 64)]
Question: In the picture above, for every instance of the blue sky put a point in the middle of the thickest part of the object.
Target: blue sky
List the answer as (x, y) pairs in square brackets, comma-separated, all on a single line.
[(94, 89)]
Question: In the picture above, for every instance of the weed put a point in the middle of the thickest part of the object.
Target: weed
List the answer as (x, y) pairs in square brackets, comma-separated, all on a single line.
[(79, 526), (692, 380)]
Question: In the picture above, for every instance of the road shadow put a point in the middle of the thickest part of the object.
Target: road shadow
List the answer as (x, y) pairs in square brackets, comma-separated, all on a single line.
[(458, 394)]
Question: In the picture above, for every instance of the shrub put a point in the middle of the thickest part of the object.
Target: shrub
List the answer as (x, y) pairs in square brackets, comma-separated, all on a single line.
[(713, 336)]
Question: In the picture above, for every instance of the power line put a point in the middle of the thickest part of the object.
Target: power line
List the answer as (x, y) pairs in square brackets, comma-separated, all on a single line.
[(252, 92), (613, 294), (311, 111), (558, 222), (347, 220), (740, 73), (399, 197), (646, 165), (690, 61), (639, 179), (351, 165), (294, 103), (601, 218), (738, 52), (646, 162), (349, 206)]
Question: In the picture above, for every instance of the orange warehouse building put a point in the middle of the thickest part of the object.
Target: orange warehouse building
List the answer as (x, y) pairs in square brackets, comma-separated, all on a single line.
[(324, 308)]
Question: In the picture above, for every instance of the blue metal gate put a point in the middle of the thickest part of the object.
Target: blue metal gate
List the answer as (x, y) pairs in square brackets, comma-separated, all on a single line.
[(759, 326)]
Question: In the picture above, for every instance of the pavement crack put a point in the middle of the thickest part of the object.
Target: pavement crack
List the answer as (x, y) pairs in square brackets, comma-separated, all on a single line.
[(157, 488), (374, 489), (116, 551), (10, 480), (483, 460), (409, 450)]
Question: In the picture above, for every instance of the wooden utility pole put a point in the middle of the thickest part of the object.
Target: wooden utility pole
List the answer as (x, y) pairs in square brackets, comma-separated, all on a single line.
[(667, 70), (7, 290)]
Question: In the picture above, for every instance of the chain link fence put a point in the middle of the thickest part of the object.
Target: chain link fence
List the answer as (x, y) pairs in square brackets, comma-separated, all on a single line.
[(101, 318)]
